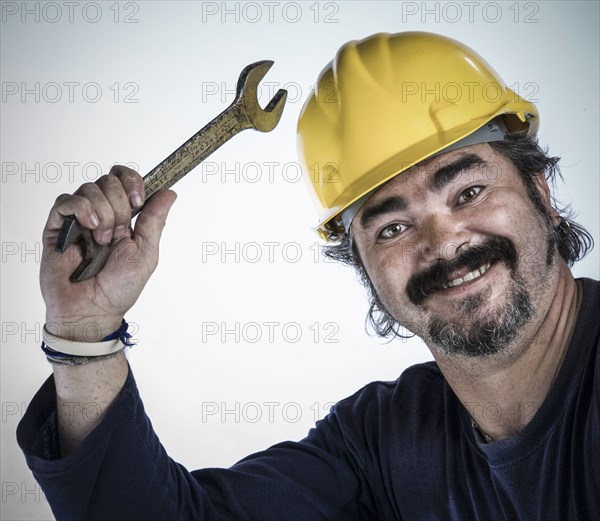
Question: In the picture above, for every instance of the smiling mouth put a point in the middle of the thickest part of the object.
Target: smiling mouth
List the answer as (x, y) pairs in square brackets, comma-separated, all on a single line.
[(472, 275)]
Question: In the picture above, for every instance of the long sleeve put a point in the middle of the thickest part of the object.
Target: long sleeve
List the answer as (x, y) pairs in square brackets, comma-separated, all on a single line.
[(121, 471), (393, 450)]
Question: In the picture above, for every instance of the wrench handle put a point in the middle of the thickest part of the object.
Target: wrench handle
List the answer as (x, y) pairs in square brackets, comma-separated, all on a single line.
[(195, 150), (164, 175)]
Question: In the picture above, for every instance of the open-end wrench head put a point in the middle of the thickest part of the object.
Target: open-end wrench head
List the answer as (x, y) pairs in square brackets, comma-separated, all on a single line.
[(94, 254), (70, 233), (261, 119)]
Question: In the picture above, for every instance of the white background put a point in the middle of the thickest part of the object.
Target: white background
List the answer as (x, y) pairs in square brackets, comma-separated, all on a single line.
[(176, 65)]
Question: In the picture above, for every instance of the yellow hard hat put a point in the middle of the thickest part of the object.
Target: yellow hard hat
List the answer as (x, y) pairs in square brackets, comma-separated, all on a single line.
[(390, 101)]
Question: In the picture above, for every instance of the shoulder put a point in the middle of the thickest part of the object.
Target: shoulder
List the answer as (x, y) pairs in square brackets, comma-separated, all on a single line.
[(387, 424), (591, 288), (418, 384), (420, 374)]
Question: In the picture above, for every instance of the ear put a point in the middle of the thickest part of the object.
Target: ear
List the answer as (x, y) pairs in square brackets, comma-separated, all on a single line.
[(541, 184)]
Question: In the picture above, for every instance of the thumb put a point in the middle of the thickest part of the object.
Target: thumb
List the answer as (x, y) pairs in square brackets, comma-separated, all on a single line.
[(152, 218)]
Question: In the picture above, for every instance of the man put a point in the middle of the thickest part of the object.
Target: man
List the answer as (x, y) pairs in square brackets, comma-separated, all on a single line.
[(442, 204)]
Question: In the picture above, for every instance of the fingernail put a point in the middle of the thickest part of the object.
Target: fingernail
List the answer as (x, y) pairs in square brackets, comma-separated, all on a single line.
[(94, 220), (107, 236), (119, 231), (135, 199)]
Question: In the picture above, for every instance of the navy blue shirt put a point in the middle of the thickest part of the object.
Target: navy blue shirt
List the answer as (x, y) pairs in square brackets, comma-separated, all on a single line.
[(394, 450)]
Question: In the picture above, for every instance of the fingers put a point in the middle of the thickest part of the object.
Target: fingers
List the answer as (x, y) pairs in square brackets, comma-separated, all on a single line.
[(132, 182), (67, 204), (105, 200), (104, 206), (152, 219), (114, 209)]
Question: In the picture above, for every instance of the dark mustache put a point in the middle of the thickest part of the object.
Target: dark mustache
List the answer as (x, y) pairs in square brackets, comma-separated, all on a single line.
[(423, 284)]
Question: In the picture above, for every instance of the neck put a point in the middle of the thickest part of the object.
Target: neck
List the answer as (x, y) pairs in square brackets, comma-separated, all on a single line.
[(502, 395)]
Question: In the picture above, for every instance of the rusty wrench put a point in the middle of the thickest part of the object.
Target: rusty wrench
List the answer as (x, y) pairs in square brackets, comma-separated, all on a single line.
[(243, 113)]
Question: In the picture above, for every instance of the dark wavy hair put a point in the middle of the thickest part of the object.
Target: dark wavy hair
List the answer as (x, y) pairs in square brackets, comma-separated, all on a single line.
[(572, 239)]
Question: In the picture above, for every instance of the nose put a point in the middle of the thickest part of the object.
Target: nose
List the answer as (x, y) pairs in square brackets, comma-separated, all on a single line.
[(442, 236)]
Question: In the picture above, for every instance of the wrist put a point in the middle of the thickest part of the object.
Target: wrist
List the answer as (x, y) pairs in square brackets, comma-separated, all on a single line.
[(82, 329), (61, 351)]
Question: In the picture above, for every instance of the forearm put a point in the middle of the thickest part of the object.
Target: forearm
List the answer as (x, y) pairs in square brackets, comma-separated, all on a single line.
[(83, 395), (119, 471)]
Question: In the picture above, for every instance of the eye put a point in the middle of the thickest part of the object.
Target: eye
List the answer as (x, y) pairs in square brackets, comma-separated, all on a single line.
[(469, 194), (391, 231)]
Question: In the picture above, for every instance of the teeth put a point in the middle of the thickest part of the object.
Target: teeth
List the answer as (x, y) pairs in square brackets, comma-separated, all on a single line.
[(469, 276)]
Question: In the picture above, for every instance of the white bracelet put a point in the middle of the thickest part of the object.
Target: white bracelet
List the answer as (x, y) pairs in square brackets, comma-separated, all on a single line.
[(81, 348)]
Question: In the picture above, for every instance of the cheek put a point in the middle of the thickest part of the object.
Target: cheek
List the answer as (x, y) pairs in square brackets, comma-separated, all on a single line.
[(510, 217), (390, 270)]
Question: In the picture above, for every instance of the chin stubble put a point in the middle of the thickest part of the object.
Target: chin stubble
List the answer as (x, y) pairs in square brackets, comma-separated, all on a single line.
[(488, 335), (494, 333)]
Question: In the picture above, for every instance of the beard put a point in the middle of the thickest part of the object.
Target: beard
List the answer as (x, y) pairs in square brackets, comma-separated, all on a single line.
[(487, 333), (484, 337)]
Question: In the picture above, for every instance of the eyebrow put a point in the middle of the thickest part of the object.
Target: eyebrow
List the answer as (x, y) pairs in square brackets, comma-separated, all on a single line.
[(439, 180), (390, 204), (450, 172)]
